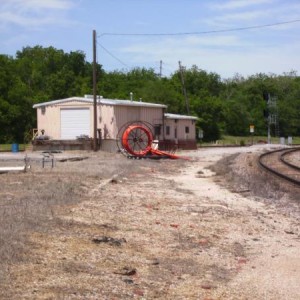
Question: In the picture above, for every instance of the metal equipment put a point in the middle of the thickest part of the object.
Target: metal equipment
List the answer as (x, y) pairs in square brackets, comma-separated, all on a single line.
[(136, 140)]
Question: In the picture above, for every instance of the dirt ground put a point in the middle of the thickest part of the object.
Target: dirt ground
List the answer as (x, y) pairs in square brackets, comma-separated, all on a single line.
[(101, 226)]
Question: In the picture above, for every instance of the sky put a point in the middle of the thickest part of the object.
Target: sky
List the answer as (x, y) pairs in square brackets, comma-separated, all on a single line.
[(157, 34)]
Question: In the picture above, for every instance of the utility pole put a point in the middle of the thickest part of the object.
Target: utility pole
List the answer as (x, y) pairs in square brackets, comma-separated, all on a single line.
[(183, 88), (160, 68), (95, 90), (271, 114)]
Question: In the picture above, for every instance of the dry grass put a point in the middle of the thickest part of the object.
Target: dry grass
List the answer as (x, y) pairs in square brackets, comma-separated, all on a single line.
[(27, 204), (34, 202), (174, 245), (242, 174), (29, 201), (50, 218)]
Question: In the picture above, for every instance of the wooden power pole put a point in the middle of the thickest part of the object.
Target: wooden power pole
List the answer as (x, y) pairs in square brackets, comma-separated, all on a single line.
[(160, 68), (95, 90), (183, 88)]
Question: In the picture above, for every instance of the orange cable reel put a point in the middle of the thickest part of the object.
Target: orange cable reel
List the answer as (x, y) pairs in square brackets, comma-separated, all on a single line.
[(137, 141)]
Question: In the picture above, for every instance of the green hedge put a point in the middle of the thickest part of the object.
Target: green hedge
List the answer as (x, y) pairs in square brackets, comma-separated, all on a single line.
[(8, 147)]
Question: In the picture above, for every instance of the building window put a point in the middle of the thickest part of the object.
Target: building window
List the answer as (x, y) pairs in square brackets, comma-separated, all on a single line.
[(157, 130), (187, 129), (167, 130), (175, 133)]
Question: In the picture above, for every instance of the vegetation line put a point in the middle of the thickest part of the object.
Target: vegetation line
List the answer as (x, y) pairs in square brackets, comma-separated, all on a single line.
[(223, 107)]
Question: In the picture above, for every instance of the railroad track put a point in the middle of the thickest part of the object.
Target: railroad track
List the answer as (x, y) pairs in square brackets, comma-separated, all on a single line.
[(284, 163)]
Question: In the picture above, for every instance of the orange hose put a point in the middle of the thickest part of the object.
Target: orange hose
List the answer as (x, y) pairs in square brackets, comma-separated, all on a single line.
[(130, 140), (162, 153), (137, 140)]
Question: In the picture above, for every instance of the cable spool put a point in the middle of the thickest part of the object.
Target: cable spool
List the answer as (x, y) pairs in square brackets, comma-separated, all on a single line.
[(135, 139)]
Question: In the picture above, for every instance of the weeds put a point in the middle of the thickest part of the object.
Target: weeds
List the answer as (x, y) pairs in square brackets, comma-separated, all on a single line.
[(242, 173), (28, 206), (28, 202)]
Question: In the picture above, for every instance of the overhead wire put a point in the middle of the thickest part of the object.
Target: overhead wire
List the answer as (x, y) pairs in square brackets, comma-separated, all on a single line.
[(188, 33), (112, 55), (201, 32)]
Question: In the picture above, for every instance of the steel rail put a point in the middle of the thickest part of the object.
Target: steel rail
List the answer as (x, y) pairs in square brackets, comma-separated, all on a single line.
[(288, 152), (282, 160)]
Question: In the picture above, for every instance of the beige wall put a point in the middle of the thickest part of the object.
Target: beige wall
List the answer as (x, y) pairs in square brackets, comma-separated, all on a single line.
[(47, 120), (112, 118), (180, 125), (106, 119), (48, 117)]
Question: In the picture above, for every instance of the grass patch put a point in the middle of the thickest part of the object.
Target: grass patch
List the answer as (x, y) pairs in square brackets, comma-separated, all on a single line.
[(228, 140), (8, 147)]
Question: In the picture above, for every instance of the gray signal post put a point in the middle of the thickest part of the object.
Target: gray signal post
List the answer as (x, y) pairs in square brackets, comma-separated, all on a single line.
[(267, 98), (272, 116), (95, 91), (269, 129), (252, 132)]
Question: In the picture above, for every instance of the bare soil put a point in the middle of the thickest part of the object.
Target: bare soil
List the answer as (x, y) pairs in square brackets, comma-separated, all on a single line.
[(106, 227)]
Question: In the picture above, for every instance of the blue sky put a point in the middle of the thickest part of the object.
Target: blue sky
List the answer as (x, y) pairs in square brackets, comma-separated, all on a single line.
[(68, 25)]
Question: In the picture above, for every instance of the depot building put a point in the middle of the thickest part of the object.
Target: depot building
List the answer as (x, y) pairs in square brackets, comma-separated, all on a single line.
[(71, 120)]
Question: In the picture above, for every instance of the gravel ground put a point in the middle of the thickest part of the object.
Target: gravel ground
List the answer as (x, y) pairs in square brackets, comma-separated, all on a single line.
[(104, 227)]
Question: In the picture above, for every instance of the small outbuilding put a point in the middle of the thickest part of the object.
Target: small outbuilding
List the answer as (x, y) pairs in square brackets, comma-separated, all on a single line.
[(71, 119), (180, 130)]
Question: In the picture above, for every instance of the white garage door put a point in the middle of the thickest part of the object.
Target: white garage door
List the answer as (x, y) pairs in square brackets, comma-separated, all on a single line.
[(74, 122)]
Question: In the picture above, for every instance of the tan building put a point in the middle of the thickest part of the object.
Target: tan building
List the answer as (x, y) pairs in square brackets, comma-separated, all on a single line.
[(181, 130), (72, 118)]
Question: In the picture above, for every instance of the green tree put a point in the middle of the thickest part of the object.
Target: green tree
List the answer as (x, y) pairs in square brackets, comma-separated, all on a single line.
[(39, 74)]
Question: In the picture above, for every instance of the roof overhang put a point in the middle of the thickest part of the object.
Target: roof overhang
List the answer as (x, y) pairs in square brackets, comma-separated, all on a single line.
[(114, 102), (179, 117)]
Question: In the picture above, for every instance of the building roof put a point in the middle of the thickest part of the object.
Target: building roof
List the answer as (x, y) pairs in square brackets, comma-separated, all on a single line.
[(179, 117), (100, 100)]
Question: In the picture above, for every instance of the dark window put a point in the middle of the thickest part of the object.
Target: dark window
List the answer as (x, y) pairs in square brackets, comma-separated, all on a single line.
[(167, 130), (187, 129), (157, 130), (175, 133)]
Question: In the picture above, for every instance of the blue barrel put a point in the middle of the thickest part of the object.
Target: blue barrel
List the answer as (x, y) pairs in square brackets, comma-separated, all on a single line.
[(14, 147)]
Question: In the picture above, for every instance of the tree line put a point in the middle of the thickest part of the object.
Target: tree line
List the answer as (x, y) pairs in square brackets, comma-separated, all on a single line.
[(230, 106)]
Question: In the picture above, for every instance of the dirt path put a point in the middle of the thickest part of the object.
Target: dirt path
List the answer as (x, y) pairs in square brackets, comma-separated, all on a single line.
[(162, 230), (270, 268)]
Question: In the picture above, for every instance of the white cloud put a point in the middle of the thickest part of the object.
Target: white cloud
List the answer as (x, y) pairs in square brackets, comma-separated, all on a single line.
[(226, 61), (29, 5), (238, 4), (256, 15), (33, 13), (26, 21), (208, 41), (242, 16)]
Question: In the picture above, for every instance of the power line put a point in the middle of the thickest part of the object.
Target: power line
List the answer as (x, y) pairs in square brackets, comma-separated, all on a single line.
[(112, 55), (201, 32), (188, 33), (116, 58)]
